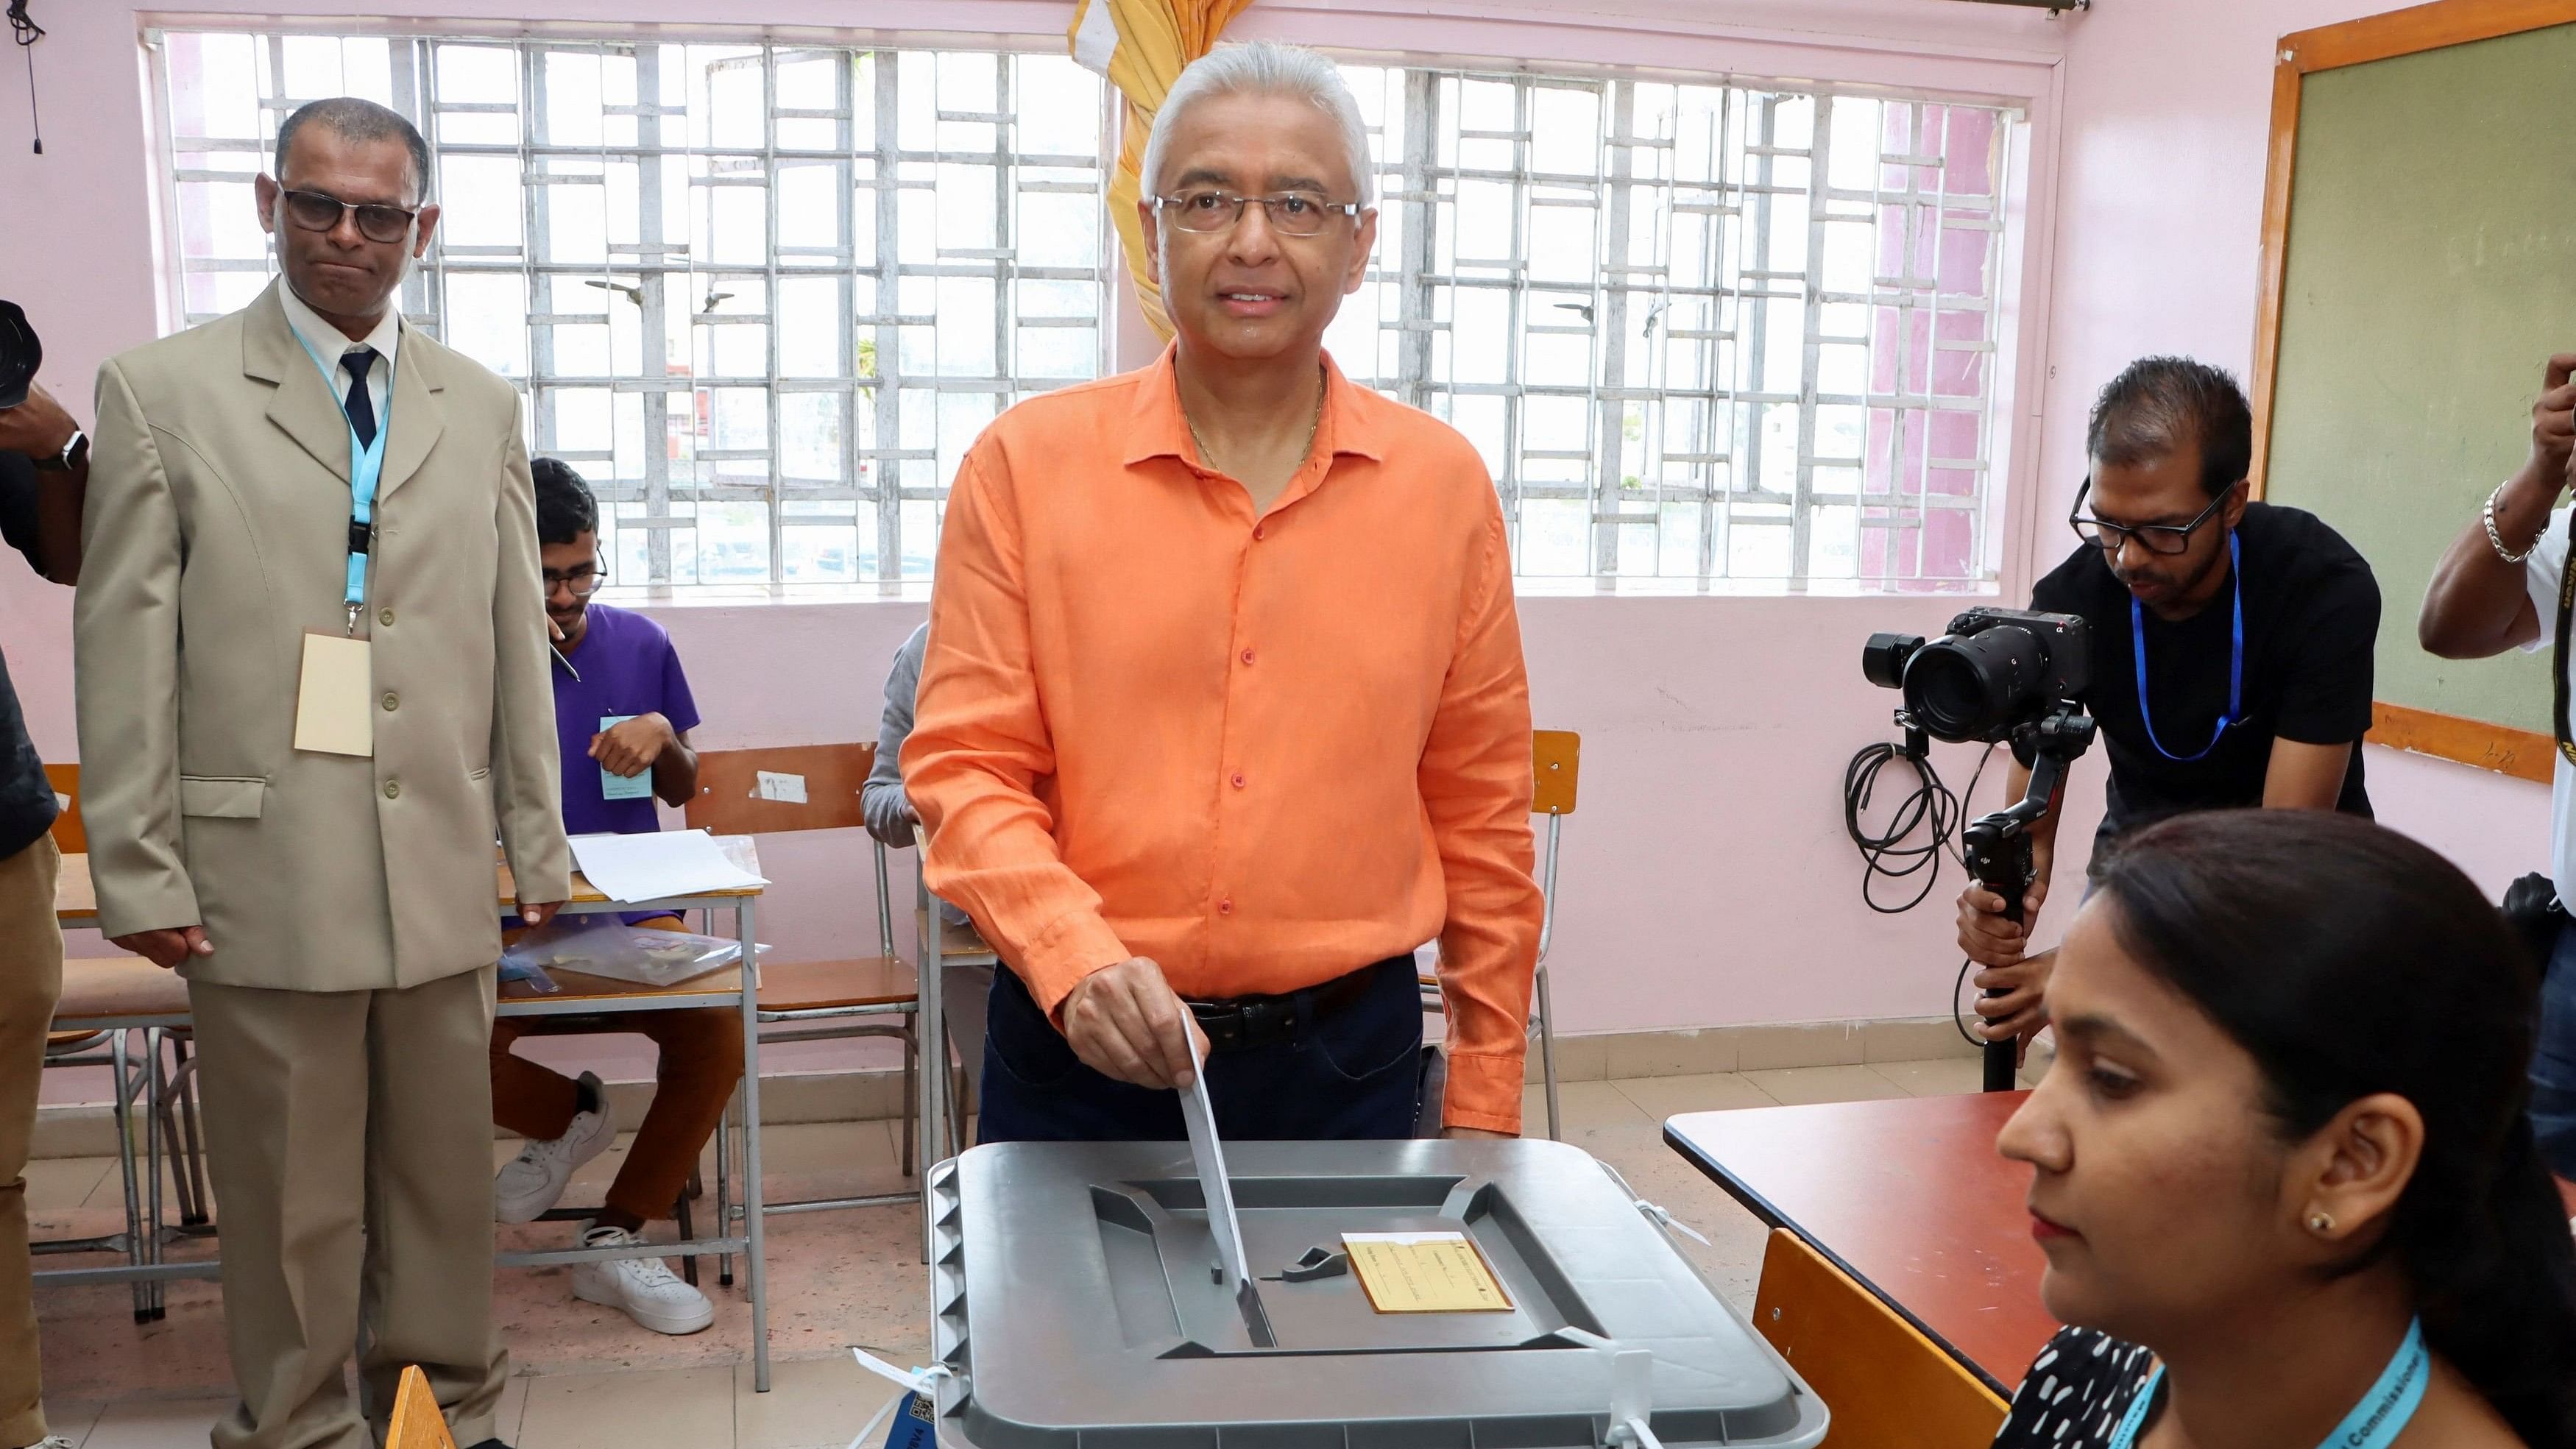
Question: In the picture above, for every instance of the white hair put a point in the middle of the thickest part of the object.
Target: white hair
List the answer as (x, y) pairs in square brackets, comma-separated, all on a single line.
[(1264, 67)]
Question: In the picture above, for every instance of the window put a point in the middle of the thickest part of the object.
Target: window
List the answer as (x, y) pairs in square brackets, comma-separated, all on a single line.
[(765, 296), (1697, 331), (762, 297)]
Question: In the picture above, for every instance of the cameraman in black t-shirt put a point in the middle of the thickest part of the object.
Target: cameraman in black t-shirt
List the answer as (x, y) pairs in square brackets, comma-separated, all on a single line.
[(2231, 644)]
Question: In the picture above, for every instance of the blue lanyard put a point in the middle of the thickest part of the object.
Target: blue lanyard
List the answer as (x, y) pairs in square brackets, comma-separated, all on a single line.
[(2374, 1423), (2235, 667), (366, 465)]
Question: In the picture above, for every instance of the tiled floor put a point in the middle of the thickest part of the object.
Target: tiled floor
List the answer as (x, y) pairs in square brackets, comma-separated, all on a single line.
[(589, 1379)]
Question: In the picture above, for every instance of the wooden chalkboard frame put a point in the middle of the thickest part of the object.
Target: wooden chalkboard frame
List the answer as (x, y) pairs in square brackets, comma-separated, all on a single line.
[(2502, 748)]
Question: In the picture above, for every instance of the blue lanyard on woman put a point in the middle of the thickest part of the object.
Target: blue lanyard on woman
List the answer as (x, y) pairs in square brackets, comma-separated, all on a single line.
[(2235, 667), (2374, 1423)]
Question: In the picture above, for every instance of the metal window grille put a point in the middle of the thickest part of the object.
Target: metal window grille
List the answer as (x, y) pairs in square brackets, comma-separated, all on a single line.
[(762, 297), (765, 296), (1698, 331)]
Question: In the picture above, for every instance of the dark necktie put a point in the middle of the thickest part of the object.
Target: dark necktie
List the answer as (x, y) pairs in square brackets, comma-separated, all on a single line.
[(362, 411)]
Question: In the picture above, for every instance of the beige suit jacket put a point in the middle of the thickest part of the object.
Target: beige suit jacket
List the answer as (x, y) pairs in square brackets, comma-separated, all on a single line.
[(215, 538)]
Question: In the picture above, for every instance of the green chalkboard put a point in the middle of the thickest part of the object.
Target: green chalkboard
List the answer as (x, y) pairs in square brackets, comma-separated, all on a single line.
[(2430, 268)]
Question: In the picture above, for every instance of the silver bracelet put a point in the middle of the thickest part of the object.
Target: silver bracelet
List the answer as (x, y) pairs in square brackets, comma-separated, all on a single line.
[(2495, 540)]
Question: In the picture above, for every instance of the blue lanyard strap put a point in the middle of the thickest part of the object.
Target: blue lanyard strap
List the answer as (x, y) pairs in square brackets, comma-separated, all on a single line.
[(366, 465), (2374, 1423), (2235, 667)]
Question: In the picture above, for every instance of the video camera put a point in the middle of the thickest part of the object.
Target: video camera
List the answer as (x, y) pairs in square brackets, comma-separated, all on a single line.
[(1999, 675), (20, 352), (1995, 672)]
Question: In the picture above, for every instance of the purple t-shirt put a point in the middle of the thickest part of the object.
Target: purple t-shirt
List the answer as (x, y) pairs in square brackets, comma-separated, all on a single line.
[(623, 666)]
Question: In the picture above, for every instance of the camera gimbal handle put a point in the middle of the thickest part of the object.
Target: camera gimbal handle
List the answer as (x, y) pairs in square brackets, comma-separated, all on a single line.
[(1997, 848)]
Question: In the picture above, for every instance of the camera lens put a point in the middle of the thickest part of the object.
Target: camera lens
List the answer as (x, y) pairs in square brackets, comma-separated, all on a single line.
[(1972, 687)]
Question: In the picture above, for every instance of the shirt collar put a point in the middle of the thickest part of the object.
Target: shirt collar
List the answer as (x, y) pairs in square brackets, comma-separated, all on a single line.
[(328, 341), (1157, 428)]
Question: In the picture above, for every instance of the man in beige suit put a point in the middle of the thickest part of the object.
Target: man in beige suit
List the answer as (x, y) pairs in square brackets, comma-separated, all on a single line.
[(311, 843)]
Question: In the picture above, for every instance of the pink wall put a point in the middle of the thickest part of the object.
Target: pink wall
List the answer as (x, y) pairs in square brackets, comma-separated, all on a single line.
[(1707, 880)]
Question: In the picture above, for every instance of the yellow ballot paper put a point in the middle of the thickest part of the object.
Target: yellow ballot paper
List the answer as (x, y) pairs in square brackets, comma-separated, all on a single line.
[(331, 700), (1424, 1273)]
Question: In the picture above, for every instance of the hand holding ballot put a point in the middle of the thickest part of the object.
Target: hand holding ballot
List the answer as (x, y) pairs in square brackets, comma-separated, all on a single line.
[(1125, 1022)]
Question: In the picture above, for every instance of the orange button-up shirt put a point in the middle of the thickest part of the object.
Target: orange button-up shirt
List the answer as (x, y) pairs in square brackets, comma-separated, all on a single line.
[(1262, 751)]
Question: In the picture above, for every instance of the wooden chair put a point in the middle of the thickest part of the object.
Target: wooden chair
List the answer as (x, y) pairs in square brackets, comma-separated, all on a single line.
[(417, 1423), (844, 993), (1556, 762), (1886, 1385)]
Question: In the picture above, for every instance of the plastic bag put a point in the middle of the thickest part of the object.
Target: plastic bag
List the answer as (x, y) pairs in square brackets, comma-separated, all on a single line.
[(607, 947)]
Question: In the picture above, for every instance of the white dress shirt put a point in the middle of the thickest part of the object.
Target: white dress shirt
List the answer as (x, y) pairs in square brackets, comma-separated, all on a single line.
[(2540, 577), (330, 344)]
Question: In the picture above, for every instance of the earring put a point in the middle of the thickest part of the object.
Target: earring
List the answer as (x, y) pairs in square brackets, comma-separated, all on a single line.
[(2321, 1223)]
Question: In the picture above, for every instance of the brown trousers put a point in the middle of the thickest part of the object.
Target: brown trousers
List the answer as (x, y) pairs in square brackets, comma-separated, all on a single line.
[(31, 981), (700, 1060), (350, 1137)]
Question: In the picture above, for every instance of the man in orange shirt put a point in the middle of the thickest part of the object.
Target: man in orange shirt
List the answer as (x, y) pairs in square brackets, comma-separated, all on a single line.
[(1224, 709)]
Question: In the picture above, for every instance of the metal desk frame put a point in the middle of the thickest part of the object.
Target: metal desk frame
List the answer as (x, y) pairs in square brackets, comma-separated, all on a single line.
[(745, 1000)]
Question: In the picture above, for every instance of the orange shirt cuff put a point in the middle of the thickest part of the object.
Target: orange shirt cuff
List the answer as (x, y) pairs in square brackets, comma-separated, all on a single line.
[(1056, 961), (1484, 1092)]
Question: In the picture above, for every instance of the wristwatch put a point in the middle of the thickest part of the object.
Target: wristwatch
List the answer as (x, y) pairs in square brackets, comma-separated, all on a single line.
[(75, 455)]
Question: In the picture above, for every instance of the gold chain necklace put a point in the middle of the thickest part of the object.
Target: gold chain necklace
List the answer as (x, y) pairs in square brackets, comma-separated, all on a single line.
[(1304, 451)]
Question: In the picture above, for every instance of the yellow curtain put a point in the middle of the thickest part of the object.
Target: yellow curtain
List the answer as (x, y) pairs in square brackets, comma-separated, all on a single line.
[(1141, 46)]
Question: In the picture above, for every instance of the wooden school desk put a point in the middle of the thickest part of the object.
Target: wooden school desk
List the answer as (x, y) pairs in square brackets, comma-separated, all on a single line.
[(1908, 1197)]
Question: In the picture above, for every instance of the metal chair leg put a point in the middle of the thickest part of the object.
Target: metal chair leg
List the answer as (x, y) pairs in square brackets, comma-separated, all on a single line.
[(1547, 1055), (724, 1190), (154, 1094), (122, 1096), (199, 1209), (911, 1088), (680, 1212)]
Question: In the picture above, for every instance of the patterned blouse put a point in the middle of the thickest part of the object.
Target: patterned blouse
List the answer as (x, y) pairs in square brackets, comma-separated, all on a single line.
[(2076, 1392)]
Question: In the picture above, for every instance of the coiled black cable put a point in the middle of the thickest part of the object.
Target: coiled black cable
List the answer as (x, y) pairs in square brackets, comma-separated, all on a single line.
[(1930, 808)]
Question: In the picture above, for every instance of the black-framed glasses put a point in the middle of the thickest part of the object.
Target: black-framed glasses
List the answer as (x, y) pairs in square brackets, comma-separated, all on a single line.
[(2163, 538), (1290, 213), (321, 211), (583, 580)]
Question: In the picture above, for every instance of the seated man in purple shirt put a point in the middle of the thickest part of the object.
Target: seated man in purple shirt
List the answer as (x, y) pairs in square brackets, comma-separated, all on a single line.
[(623, 715)]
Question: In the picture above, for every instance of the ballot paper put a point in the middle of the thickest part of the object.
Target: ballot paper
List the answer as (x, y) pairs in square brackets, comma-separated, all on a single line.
[(1208, 1155), (659, 866), (1424, 1273)]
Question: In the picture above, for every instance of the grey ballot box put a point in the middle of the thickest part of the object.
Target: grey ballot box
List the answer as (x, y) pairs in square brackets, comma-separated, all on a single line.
[(1077, 1305)]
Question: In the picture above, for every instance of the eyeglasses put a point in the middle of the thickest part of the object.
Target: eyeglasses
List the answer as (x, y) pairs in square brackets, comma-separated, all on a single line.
[(321, 211), (2163, 538), (582, 582), (1291, 213)]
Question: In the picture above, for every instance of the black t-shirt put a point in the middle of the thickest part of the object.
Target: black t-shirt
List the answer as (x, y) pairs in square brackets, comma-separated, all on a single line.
[(2311, 624), (26, 799)]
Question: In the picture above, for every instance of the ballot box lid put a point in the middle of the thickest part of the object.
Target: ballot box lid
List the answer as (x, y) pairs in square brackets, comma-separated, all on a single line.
[(1078, 1307)]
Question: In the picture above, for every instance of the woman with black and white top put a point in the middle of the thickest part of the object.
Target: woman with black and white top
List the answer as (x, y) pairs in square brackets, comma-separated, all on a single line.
[(2283, 1168)]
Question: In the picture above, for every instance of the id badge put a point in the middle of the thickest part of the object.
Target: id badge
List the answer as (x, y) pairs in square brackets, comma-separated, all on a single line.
[(614, 786), (916, 1424), (331, 697)]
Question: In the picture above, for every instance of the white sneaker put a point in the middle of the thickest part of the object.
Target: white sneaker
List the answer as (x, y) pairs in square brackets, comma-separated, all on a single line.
[(645, 1289), (533, 1181)]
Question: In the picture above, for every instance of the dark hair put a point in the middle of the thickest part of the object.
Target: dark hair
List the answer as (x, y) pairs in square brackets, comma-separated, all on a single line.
[(565, 508), (2316, 940), (359, 120), (2158, 405)]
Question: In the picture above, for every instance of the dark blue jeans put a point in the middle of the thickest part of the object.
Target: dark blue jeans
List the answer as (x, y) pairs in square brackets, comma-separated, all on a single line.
[(2553, 1061), (1354, 1074)]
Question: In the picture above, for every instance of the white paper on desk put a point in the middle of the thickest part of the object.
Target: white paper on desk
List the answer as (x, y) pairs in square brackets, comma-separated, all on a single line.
[(659, 866), (1209, 1157)]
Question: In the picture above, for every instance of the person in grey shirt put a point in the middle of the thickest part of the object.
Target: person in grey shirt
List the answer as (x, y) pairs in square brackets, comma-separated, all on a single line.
[(891, 818)]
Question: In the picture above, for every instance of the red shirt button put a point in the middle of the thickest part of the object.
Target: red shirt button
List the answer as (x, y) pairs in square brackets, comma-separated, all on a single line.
[(1247, 656), (1238, 781), (1260, 532), (1225, 908)]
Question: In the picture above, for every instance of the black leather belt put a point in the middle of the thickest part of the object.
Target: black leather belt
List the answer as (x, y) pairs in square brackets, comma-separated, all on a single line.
[(1238, 1022)]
